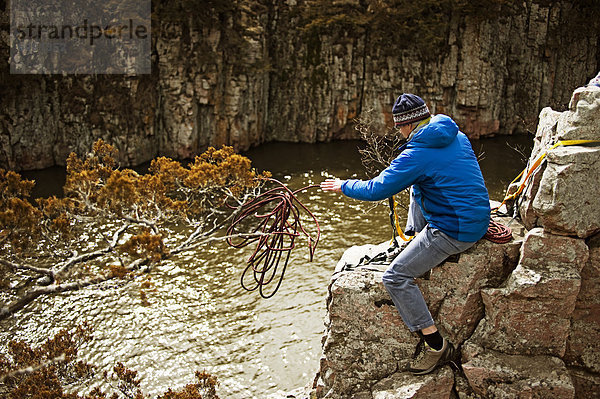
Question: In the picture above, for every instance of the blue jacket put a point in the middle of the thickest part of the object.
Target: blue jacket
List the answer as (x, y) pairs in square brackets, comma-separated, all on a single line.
[(440, 165)]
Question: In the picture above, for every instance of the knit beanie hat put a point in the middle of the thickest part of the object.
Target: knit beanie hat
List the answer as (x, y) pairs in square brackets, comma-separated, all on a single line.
[(409, 108)]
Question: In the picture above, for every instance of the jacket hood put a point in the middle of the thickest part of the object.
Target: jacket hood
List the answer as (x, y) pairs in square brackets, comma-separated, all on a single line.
[(438, 133)]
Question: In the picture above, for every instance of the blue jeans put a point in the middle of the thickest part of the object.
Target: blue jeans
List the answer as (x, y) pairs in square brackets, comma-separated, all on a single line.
[(428, 249)]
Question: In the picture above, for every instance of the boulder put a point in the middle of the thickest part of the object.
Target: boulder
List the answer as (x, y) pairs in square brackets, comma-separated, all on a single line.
[(366, 340), (493, 374), (586, 384), (583, 346), (530, 313), (462, 388), (544, 138), (560, 197), (453, 290), (581, 121), (407, 386)]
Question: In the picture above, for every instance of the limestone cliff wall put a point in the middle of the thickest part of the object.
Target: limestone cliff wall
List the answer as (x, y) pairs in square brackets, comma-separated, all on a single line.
[(524, 315), (242, 73)]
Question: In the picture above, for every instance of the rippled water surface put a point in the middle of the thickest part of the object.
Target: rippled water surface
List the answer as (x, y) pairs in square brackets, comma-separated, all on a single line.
[(200, 318)]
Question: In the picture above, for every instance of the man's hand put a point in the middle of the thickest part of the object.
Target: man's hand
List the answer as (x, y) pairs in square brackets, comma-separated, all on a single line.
[(332, 185)]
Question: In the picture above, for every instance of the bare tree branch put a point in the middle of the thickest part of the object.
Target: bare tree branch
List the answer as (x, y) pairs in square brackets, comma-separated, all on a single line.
[(33, 369), (34, 293), (141, 221), (382, 146), (64, 267), (206, 239), (39, 270)]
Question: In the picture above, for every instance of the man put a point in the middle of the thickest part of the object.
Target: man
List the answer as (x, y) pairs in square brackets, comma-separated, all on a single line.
[(449, 210)]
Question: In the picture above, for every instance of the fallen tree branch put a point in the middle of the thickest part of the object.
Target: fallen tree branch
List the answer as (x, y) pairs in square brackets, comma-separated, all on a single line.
[(34, 293), (64, 267), (39, 270)]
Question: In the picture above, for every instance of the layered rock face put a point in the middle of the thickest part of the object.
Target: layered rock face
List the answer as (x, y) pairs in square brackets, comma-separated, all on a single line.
[(524, 315), (251, 72)]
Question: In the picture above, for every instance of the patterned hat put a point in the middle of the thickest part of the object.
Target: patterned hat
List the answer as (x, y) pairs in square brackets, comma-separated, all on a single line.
[(409, 108)]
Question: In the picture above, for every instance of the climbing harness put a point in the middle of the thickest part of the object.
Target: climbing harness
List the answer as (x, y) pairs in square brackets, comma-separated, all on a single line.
[(496, 232), (274, 235)]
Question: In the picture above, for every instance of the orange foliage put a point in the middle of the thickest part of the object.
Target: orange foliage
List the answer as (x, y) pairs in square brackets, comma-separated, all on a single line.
[(103, 204), (144, 298), (168, 190), (204, 388), (42, 372), (52, 364), (97, 188), (57, 214), (145, 245), (19, 219), (118, 271), (147, 284), (127, 382)]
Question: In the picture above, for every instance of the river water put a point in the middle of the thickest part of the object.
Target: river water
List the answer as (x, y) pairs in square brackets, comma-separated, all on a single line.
[(199, 317)]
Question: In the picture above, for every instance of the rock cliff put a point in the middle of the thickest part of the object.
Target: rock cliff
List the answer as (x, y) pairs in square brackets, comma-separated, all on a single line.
[(242, 73), (524, 315)]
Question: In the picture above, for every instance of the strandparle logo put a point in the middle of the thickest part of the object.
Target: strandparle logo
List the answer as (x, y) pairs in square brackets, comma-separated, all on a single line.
[(80, 37), (95, 32)]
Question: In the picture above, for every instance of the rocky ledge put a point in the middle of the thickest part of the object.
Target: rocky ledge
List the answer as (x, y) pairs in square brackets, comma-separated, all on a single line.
[(524, 315)]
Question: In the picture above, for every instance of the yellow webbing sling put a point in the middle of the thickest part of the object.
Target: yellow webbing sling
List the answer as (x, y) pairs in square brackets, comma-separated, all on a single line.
[(536, 164)]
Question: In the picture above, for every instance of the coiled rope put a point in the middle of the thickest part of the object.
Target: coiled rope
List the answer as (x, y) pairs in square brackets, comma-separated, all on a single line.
[(498, 233), (274, 235)]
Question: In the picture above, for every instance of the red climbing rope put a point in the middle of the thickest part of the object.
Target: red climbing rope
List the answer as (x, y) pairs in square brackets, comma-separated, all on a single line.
[(274, 234), (498, 233)]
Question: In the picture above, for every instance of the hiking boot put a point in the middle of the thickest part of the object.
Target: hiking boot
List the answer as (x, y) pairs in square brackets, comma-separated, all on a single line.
[(427, 359)]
